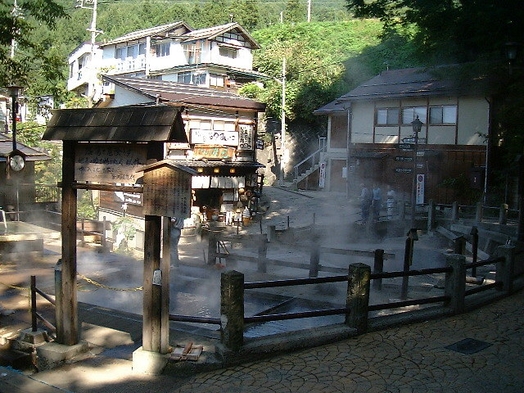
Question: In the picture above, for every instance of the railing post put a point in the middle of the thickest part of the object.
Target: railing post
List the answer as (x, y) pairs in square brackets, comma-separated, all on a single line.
[(460, 245), (503, 214), (272, 233), (505, 268), (212, 245), (314, 256), (479, 212), (431, 215), (232, 310), (33, 304), (378, 267), (455, 211), (474, 248), (408, 261), (358, 296), (455, 286), (262, 254)]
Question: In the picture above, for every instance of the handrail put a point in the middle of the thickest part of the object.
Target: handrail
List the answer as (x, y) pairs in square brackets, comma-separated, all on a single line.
[(322, 142), (34, 313)]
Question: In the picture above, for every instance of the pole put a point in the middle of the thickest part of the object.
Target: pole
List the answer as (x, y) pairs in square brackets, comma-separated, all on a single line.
[(13, 118), (414, 185), (283, 124)]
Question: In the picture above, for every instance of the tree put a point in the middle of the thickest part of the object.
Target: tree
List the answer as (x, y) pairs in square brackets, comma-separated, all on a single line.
[(16, 24), (459, 30)]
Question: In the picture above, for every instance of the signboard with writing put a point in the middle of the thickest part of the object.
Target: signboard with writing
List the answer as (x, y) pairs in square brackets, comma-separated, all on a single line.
[(404, 159), (109, 163), (406, 146), (167, 192), (212, 137), (213, 152), (404, 170), (245, 135)]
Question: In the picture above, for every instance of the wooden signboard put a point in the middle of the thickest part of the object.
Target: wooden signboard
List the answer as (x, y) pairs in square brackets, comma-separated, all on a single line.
[(109, 163), (214, 152), (167, 192)]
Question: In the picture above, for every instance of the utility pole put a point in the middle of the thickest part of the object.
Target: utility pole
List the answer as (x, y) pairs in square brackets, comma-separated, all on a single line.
[(309, 11), (283, 125), (94, 32), (16, 14)]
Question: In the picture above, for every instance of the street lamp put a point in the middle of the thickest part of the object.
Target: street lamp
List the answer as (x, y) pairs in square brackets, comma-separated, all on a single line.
[(511, 51), (417, 127), (14, 92)]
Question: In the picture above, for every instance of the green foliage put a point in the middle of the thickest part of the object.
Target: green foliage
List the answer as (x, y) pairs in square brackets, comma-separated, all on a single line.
[(87, 205)]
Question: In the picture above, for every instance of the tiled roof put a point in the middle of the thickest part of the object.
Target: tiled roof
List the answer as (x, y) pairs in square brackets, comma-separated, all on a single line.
[(6, 147), (185, 94), (215, 31), (152, 31), (139, 123), (419, 82)]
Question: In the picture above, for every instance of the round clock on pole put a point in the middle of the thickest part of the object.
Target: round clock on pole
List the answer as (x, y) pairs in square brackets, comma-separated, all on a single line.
[(16, 160)]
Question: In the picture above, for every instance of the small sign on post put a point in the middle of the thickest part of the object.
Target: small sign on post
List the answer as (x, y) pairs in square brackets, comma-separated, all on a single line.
[(167, 190)]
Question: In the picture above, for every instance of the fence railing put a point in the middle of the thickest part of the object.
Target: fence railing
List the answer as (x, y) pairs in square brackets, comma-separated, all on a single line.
[(357, 307), (35, 315)]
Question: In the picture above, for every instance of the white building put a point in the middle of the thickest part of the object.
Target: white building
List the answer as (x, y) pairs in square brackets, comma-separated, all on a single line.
[(218, 57)]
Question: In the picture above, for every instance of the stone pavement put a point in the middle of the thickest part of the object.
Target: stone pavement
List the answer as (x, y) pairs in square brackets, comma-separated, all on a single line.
[(421, 357)]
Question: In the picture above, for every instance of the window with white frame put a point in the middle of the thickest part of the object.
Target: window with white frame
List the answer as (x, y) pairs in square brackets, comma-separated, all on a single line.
[(444, 114), (193, 52), (162, 49), (387, 116), (226, 51), (411, 113), (216, 80)]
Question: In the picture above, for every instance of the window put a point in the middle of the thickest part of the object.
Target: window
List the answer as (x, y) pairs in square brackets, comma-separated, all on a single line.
[(216, 80), (199, 79), (445, 114), (132, 51), (162, 49), (387, 116), (192, 52), (226, 51), (120, 53), (184, 77), (410, 114)]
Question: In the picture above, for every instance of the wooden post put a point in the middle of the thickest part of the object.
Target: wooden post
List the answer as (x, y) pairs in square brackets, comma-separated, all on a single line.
[(378, 267), (262, 254), (431, 215), (460, 245), (67, 326), (455, 211), (152, 314), (474, 248), (408, 261), (506, 268), (357, 299), (232, 309), (33, 304), (479, 212), (455, 286), (314, 258), (503, 214), (155, 321)]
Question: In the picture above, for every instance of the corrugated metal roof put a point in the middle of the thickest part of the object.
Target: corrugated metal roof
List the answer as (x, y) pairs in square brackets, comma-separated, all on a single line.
[(185, 94), (130, 123), (6, 147)]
